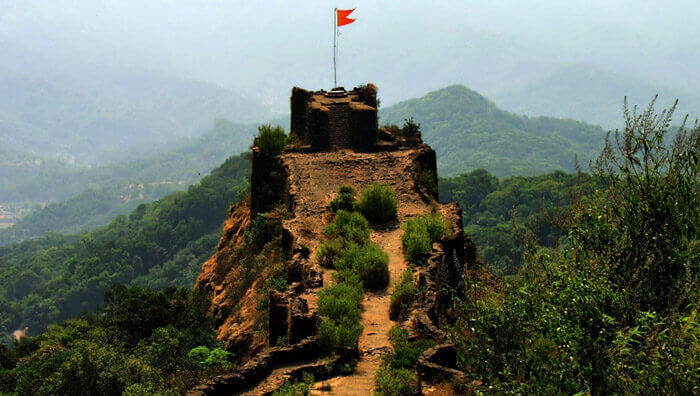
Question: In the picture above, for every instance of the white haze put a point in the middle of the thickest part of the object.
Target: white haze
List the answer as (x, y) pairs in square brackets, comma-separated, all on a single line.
[(260, 48)]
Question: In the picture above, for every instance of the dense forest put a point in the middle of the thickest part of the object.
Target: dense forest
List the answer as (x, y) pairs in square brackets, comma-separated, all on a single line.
[(164, 243), (470, 132), (496, 212), (140, 342)]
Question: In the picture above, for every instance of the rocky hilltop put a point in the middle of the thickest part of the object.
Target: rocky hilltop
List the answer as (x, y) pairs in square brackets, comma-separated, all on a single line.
[(293, 189)]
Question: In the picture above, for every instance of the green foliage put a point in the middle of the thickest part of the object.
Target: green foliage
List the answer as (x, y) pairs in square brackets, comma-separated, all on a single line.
[(136, 343), (328, 251), (405, 292), (469, 132), (393, 381), (395, 375), (419, 234), (616, 311), (406, 353), (645, 225), (341, 302), (348, 227), (261, 231), (270, 140), (160, 244), (204, 357), (301, 388), (345, 200), (369, 262), (490, 207), (410, 132), (377, 202)]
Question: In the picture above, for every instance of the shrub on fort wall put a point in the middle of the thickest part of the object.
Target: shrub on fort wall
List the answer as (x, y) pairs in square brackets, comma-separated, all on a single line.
[(378, 203), (420, 233), (270, 140)]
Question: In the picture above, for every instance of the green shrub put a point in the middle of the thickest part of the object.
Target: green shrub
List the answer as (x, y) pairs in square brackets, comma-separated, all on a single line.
[(204, 357), (405, 291), (333, 335), (420, 233), (340, 302), (278, 283), (261, 231), (369, 262), (327, 336), (270, 140), (349, 226), (328, 252), (394, 382), (378, 202), (410, 129), (416, 241), (340, 306), (345, 200), (301, 388), (406, 353)]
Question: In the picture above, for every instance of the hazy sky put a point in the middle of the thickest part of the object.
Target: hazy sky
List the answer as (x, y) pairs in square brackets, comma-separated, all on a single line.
[(261, 48)]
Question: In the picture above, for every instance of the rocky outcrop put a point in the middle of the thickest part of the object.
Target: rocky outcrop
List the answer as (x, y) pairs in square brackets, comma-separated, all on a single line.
[(280, 341)]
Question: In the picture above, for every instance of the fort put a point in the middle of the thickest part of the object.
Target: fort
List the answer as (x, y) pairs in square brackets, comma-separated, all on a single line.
[(336, 119), (337, 142)]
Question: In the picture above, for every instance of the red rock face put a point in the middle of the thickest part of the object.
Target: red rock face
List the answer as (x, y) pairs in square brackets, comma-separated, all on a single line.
[(220, 278)]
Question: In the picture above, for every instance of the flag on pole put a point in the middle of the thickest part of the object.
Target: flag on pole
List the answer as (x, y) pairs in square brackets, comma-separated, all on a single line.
[(342, 17)]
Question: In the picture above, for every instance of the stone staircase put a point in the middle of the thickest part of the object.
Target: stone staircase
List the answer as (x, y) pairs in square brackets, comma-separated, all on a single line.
[(339, 126)]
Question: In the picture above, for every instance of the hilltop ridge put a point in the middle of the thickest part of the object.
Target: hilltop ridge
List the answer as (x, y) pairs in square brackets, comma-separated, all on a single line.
[(294, 189)]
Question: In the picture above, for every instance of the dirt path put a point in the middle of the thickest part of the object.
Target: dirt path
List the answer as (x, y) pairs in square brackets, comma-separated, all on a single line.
[(317, 178), (374, 341)]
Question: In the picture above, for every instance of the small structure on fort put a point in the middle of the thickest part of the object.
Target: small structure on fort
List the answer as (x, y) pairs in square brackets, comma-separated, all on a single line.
[(336, 119)]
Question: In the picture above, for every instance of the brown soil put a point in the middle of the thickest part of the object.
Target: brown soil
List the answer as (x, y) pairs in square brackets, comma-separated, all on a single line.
[(314, 179), (317, 178)]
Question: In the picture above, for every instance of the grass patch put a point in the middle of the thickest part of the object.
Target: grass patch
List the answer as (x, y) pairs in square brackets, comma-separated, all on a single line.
[(405, 291), (420, 233), (378, 203)]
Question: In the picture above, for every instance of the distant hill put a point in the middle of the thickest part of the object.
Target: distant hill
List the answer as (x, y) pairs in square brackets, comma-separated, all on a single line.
[(94, 114), (591, 95), (56, 277), (470, 132), (93, 197), (39, 180)]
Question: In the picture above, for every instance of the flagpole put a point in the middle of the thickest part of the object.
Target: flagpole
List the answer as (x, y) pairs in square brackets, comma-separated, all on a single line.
[(335, 35)]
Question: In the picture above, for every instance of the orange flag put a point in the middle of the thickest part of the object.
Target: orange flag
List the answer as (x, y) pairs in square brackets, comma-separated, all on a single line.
[(342, 17)]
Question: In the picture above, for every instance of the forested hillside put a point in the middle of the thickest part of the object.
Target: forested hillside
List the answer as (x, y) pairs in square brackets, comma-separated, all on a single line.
[(93, 197), (496, 211), (469, 132), (57, 277)]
